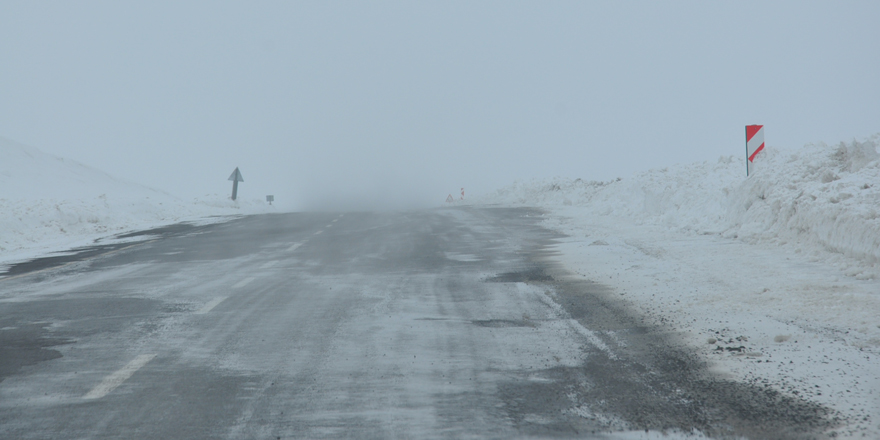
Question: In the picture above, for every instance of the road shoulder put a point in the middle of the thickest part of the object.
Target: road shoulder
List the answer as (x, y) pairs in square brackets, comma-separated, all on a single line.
[(756, 314)]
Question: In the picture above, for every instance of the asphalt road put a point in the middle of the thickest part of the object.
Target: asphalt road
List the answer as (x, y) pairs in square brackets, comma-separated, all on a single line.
[(446, 323)]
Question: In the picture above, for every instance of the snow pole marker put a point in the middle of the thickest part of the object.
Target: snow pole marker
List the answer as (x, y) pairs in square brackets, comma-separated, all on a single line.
[(754, 144), (462, 193)]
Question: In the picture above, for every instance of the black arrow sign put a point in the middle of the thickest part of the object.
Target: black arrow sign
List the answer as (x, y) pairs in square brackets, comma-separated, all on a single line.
[(235, 177)]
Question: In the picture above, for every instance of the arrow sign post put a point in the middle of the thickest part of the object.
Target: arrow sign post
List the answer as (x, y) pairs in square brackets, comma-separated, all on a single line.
[(235, 177)]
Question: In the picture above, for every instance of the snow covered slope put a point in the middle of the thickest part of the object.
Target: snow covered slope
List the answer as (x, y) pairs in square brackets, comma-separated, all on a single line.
[(782, 266), (820, 199), (50, 203)]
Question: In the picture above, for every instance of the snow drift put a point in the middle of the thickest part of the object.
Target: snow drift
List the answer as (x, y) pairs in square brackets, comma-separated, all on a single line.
[(818, 198), (50, 203)]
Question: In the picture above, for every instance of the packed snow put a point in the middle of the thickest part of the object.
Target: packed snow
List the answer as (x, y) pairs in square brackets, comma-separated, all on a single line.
[(773, 277), (51, 204)]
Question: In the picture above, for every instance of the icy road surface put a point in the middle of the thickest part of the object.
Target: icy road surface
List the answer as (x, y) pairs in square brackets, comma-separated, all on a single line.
[(447, 323)]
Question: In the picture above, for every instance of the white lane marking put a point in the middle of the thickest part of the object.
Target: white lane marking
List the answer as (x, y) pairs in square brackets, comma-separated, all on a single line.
[(293, 248), (243, 282), (269, 264), (319, 232), (329, 225), (210, 305), (114, 380), (462, 257), (336, 219)]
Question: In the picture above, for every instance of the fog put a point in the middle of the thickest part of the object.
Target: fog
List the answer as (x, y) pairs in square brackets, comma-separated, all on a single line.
[(393, 105)]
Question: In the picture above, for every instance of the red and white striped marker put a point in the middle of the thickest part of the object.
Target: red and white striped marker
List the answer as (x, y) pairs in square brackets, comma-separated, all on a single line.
[(754, 144), (462, 193)]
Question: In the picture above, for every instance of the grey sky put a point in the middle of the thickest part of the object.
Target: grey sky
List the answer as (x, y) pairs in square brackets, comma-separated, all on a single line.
[(325, 104)]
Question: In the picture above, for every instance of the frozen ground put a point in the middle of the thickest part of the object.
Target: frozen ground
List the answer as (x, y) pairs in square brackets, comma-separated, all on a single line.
[(774, 277), (50, 203)]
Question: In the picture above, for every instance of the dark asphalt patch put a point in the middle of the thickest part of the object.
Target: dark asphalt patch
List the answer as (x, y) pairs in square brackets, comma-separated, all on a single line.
[(656, 382), (26, 338), (543, 409), (71, 256), (528, 276), (671, 390), (176, 229), (87, 252), (25, 344), (498, 323)]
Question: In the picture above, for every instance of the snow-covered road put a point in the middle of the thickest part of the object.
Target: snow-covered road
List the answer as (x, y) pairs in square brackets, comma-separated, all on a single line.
[(431, 324)]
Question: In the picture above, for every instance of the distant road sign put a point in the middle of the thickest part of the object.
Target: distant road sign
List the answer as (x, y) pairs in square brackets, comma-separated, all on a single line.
[(449, 199), (235, 177), (270, 199)]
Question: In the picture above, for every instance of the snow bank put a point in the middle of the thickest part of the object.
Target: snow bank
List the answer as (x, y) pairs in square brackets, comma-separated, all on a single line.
[(819, 198), (50, 203)]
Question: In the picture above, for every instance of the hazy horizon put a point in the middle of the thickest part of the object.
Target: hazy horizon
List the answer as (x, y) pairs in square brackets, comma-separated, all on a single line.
[(395, 105)]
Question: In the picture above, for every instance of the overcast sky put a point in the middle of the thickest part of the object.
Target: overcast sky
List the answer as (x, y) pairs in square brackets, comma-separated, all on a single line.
[(397, 104)]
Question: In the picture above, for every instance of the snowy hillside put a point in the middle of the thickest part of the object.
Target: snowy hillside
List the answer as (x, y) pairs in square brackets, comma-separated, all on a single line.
[(50, 203), (819, 199)]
